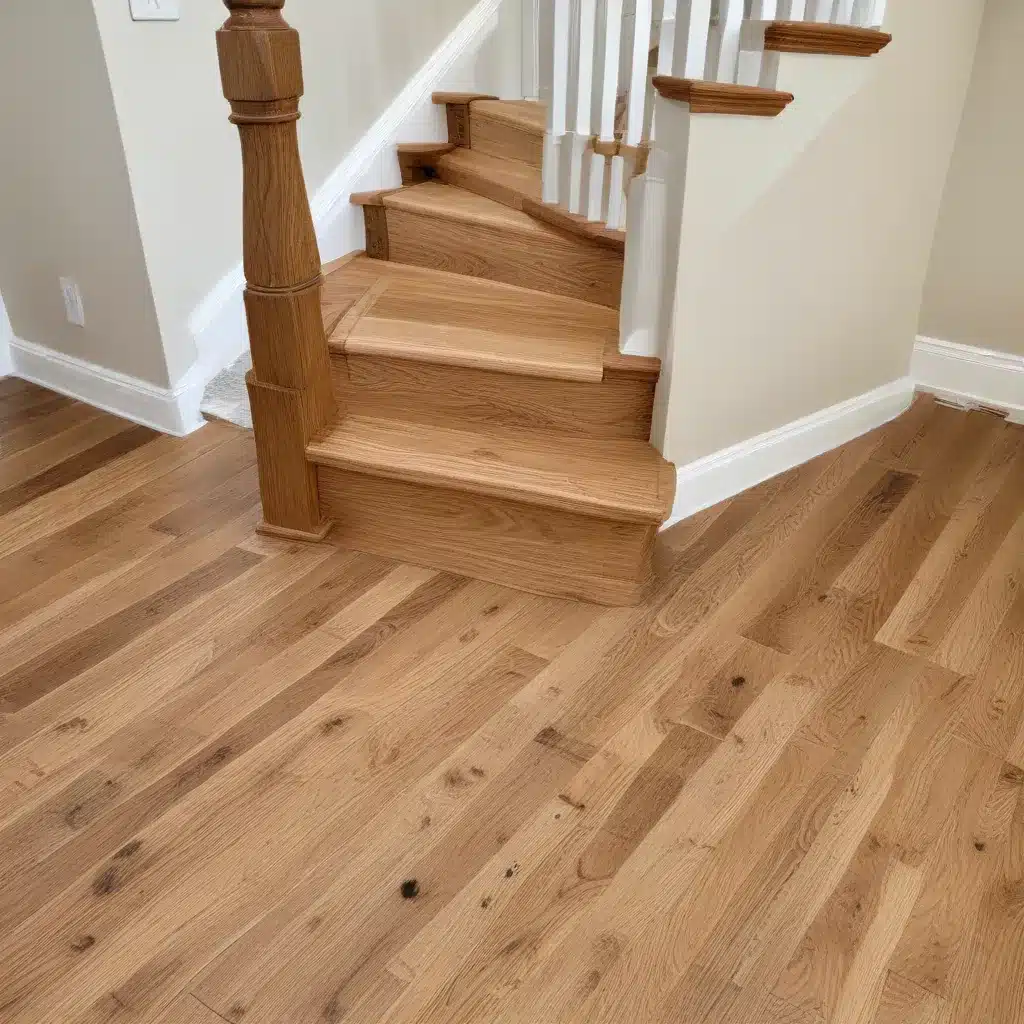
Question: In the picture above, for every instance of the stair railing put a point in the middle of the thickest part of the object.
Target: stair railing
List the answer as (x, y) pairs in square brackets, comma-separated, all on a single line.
[(289, 385), (597, 62)]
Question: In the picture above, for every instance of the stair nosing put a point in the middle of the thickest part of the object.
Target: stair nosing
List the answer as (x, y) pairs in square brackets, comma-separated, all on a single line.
[(516, 366), (528, 226)]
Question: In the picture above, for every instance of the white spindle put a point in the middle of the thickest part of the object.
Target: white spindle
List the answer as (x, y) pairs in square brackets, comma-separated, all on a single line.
[(723, 64), (638, 72), (862, 12), (791, 10), (693, 24), (598, 183), (842, 12), (877, 13), (584, 101), (748, 71), (616, 192), (819, 10), (555, 133)]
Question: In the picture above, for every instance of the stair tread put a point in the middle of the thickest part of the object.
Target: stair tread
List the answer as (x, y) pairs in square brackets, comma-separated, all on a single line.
[(405, 312), (525, 114), (623, 480), (519, 177), (433, 199)]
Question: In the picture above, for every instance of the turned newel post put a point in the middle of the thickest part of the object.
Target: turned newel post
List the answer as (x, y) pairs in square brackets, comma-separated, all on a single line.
[(290, 383)]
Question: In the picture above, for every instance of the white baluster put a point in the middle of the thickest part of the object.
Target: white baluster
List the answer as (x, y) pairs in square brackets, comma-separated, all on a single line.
[(638, 73), (748, 71), (791, 10), (862, 12), (725, 57), (584, 97), (598, 183), (690, 51), (877, 14), (635, 110), (616, 193), (553, 137), (819, 10), (842, 12)]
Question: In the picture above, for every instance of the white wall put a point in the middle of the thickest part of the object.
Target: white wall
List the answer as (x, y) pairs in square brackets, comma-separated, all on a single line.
[(975, 288), (805, 239), (66, 205), (183, 155)]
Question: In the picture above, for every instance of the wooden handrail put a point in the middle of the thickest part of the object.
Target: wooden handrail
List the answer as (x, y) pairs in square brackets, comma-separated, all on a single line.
[(290, 383)]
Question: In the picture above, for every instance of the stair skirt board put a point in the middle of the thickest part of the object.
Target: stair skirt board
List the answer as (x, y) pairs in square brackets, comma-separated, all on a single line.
[(726, 473), (538, 549), (471, 398)]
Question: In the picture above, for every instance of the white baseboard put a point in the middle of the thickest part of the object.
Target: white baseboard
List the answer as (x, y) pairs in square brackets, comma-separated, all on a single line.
[(218, 323), (726, 473), (170, 411), (970, 376), (6, 334)]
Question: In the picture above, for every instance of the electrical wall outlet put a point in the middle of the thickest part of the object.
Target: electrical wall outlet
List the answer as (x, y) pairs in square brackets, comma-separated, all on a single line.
[(155, 10), (72, 301)]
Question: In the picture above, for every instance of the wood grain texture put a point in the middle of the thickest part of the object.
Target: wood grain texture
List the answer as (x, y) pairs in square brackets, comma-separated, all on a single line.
[(447, 350), (444, 228), (508, 129), (248, 780), (723, 98), (531, 547), (819, 37), (261, 75), (620, 480)]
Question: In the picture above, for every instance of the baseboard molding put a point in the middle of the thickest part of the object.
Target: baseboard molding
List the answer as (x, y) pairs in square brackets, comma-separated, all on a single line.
[(6, 334), (726, 473), (970, 377), (218, 323), (172, 411)]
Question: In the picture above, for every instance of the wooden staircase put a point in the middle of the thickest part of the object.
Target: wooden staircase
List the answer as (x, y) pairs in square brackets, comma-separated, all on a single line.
[(481, 419)]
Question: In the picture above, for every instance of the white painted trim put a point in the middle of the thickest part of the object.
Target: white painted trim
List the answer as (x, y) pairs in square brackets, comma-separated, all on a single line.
[(728, 472), (172, 411), (970, 376), (6, 334), (218, 323)]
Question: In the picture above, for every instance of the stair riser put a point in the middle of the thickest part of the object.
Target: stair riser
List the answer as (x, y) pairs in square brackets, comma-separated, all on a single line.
[(541, 550), (618, 407), (554, 262), (496, 138)]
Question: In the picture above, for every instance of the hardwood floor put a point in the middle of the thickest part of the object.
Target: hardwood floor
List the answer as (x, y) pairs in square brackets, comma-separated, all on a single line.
[(249, 780)]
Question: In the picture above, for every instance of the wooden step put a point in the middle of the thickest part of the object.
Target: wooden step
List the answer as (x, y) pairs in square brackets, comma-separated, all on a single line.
[(446, 228), (508, 182), (622, 480), (509, 129), (557, 515), (426, 346)]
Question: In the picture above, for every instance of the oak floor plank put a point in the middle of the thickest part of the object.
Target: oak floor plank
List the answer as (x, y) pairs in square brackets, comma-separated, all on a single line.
[(962, 552), (249, 780)]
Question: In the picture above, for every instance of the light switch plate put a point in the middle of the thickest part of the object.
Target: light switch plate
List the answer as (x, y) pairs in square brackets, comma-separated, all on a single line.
[(155, 10), (73, 308)]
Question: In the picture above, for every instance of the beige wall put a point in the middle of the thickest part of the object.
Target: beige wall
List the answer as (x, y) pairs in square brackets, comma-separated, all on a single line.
[(805, 239), (66, 206), (975, 288), (183, 155)]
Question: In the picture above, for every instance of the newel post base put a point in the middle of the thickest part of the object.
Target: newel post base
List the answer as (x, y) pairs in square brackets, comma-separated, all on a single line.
[(289, 386)]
